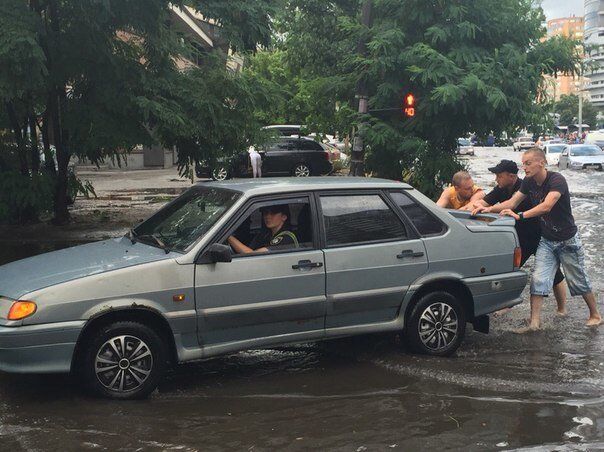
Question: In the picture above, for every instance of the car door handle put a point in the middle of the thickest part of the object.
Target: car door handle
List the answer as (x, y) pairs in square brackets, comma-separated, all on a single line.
[(409, 253), (307, 264)]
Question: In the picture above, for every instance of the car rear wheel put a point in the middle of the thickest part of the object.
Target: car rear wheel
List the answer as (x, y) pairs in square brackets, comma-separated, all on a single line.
[(437, 325), (220, 173), (124, 360), (301, 170)]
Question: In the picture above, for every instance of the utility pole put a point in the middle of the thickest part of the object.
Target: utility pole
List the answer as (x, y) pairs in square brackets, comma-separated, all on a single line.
[(357, 158)]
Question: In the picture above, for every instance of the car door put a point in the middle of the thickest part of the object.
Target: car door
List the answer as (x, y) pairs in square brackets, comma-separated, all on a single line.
[(371, 257), (262, 295), (278, 157)]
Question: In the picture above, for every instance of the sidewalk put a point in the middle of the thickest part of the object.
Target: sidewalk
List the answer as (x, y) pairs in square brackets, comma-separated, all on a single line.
[(123, 199)]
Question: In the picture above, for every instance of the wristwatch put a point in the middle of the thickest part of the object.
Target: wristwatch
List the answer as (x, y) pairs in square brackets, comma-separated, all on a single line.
[(521, 215)]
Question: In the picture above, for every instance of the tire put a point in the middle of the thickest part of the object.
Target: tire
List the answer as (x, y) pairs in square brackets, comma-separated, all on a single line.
[(220, 173), (426, 329), (301, 170), (110, 374)]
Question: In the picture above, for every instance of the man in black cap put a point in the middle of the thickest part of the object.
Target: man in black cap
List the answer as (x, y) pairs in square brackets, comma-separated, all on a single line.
[(529, 230)]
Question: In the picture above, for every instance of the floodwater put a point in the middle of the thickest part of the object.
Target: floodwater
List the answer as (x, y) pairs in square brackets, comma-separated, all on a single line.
[(501, 391)]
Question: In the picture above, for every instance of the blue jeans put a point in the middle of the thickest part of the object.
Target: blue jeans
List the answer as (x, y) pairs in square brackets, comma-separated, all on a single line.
[(567, 253)]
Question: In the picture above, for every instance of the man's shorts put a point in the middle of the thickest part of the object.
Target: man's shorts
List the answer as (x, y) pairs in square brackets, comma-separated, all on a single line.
[(569, 254)]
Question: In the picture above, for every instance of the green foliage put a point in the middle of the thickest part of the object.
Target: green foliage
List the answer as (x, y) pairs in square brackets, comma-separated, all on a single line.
[(475, 66), (23, 198), (568, 109), (99, 77)]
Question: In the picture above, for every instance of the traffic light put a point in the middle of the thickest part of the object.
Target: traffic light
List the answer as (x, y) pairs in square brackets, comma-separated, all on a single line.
[(409, 105)]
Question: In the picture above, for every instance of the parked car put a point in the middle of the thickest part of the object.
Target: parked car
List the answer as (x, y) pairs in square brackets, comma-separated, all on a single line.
[(334, 152), (542, 144), (523, 144), (596, 137), (286, 130), (372, 256), (582, 156), (553, 151), (286, 156), (464, 147)]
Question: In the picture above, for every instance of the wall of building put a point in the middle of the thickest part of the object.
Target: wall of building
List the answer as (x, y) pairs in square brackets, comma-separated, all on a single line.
[(570, 27), (594, 36)]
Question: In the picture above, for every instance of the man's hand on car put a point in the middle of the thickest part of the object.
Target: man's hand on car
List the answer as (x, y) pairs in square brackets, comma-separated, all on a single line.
[(481, 209), (510, 213)]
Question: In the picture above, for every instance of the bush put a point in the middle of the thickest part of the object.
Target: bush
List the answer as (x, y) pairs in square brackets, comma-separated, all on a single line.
[(24, 198)]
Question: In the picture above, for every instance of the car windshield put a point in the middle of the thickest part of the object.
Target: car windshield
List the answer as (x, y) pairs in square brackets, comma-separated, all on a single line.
[(586, 150), (179, 224), (464, 142), (556, 149)]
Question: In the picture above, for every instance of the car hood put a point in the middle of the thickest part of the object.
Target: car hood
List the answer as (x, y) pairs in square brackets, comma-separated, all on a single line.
[(587, 159), (27, 275)]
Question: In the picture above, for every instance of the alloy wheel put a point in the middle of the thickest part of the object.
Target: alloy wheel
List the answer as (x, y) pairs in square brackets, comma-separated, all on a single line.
[(301, 170), (220, 173), (438, 326), (123, 363)]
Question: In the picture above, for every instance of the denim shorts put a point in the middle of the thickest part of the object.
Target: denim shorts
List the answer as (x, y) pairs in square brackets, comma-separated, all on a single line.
[(568, 254)]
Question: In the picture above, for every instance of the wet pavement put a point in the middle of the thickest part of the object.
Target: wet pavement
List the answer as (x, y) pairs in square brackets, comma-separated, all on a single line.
[(501, 391)]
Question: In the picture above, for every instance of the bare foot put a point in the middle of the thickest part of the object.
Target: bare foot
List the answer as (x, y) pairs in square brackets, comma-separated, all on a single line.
[(563, 313), (502, 311), (527, 329), (595, 321)]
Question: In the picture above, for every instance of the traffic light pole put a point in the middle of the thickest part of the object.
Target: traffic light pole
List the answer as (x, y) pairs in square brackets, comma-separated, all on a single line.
[(357, 158)]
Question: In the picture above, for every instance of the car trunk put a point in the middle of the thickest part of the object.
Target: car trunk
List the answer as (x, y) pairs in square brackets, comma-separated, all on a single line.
[(483, 222)]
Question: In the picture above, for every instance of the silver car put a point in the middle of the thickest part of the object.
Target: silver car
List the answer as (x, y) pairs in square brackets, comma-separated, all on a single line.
[(582, 156), (363, 256)]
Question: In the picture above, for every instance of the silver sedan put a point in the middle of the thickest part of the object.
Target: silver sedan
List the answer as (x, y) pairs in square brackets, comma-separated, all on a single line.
[(245, 264), (582, 156)]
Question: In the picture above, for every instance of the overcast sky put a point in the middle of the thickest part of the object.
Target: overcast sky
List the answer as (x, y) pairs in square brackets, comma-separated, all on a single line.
[(562, 8)]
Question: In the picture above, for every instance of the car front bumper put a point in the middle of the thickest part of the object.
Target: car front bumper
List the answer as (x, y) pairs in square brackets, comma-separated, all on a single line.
[(495, 292), (46, 348)]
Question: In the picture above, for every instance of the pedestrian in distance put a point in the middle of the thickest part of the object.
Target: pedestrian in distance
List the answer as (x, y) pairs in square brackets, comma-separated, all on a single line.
[(529, 230), (560, 243), (256, 162), (461, 194)]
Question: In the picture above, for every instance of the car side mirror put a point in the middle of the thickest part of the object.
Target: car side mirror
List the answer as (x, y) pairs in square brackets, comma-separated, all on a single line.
[(217, 252)]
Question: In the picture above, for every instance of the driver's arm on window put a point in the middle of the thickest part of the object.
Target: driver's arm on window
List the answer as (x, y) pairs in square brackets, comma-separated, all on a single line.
[(240, 248)]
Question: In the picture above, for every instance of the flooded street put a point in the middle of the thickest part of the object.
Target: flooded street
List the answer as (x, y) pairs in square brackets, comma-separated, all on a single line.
[(501, 391)]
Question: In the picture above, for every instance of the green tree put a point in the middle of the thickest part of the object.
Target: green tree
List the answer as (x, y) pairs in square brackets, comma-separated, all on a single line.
[(98, 77), (568, 109), (474, 66)]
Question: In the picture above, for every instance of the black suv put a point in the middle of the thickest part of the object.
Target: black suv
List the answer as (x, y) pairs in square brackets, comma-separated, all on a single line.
[(286, 156)]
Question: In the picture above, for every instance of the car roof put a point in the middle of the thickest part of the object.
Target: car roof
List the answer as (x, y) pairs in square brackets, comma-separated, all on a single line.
[(265, 186)]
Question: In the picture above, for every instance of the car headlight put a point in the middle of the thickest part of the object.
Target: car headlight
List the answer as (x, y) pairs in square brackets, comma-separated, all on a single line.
[(19, 309)]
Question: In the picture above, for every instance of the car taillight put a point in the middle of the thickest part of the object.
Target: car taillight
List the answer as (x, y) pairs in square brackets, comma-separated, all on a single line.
[(517, 257), (326, 155)]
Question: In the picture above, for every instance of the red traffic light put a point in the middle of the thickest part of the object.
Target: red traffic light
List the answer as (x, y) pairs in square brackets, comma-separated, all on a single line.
[(409, 107)]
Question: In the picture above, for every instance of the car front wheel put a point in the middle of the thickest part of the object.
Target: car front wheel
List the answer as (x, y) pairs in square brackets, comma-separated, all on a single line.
[(124, 360), (437, 325), (301, 170)]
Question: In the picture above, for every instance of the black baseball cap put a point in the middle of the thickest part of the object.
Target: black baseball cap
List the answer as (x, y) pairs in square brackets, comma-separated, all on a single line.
[(505, 166)]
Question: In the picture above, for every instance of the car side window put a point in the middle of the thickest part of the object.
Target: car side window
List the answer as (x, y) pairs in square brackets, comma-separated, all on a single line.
[(309, 145), (425, 223), (356, 219), (273, 226)]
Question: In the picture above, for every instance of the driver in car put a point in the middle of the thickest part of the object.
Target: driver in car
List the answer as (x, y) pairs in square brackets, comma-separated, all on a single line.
[(277, 235)]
